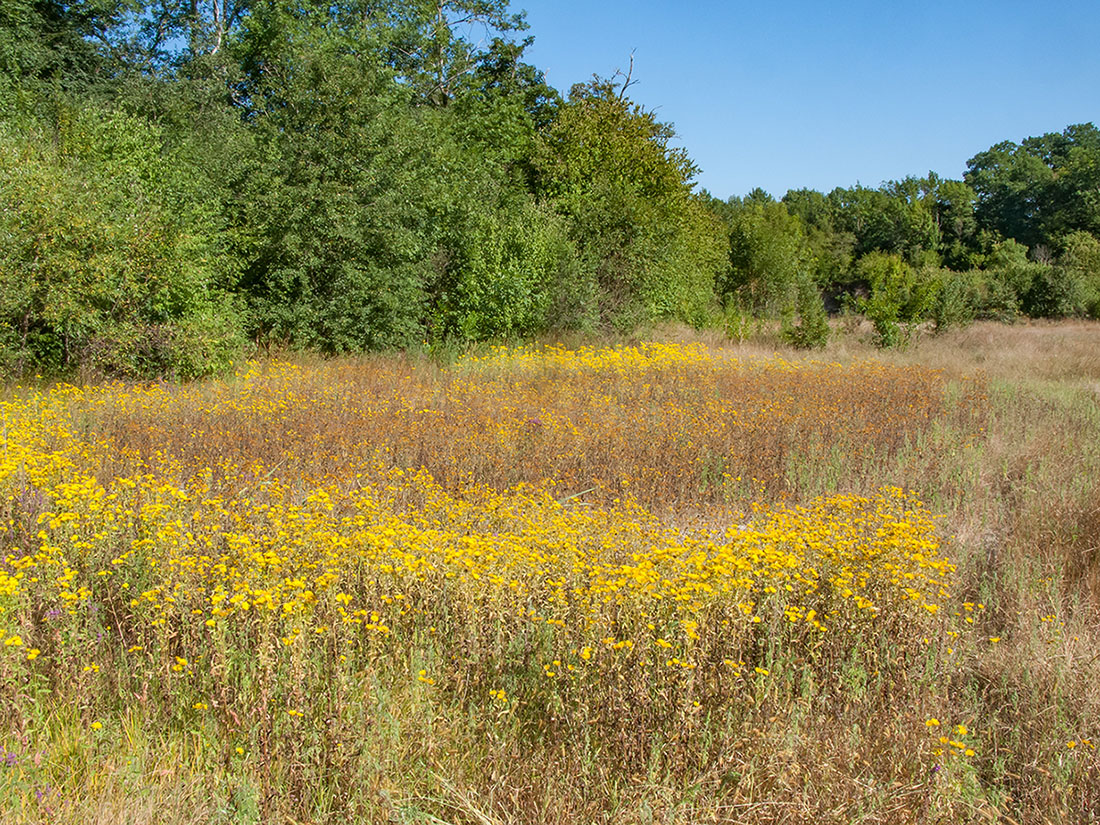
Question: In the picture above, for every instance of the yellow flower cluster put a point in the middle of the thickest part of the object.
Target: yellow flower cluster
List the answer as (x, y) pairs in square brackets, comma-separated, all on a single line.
[(671, 426), (341, 548), (623, 360), (179, 551)]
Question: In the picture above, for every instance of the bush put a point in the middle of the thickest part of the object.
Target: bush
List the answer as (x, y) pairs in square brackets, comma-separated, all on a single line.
[(737, 321), (956, 300), (898, 297), (995, 297), (1080, 260), (502, 279), (110, 260), (1054, 292), (812, 330)]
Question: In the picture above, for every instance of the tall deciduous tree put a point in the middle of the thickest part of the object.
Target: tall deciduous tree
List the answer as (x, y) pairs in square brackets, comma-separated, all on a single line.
[(833, 248), (339, 203), (648, 243), (50, 47), (434, 44), (1041, 189)]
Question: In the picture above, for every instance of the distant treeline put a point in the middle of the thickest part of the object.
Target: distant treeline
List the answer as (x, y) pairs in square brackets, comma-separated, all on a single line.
[(180, 179)]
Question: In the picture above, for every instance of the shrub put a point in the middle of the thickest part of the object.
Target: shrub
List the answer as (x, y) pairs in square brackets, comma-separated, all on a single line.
[(955, 304), (898, 297), (812, 330), (110, 259), (502, 279)]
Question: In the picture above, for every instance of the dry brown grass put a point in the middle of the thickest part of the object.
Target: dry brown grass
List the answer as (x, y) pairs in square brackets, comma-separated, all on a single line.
[(1066, 351), (714, 436), (1051, 351), (998, 428)]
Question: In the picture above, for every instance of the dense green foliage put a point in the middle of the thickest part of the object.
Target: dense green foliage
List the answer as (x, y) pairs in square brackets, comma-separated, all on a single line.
[(647, 247), (110, 255), (178, 179)]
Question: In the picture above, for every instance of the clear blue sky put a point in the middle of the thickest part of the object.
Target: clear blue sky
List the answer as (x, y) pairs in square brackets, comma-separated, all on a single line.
[(783, 95)]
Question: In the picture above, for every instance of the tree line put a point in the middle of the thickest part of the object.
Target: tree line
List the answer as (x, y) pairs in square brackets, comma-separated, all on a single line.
[(182, 179), (1017, 236)]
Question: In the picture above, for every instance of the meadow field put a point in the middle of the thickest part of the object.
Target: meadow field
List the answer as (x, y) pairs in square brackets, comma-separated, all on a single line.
[(672, 582)]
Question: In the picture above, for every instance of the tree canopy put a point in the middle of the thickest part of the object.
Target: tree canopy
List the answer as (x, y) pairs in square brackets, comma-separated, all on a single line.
[(180, 177)]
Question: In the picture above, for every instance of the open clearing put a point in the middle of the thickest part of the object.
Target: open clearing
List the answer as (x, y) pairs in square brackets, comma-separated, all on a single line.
[(673, 582)]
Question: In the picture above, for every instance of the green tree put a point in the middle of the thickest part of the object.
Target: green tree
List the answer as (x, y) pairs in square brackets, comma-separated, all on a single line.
[(956, 223), (648, 246), (1076, 186), (832, 248), (896, 218), (50, 48), (500, 107), (377, 219), (899, 298), (1011, 184), (769, 258), (1040, 189), (111, 256), (339, 204), (427, 45)]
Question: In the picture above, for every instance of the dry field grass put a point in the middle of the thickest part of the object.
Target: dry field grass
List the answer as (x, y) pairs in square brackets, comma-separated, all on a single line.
[(679, 582)]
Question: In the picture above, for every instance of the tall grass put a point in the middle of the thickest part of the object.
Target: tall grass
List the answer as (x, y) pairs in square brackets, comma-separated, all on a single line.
[(662, 583)]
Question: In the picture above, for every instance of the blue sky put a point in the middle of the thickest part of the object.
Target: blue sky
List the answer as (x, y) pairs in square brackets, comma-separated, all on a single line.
[(783, 95)]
